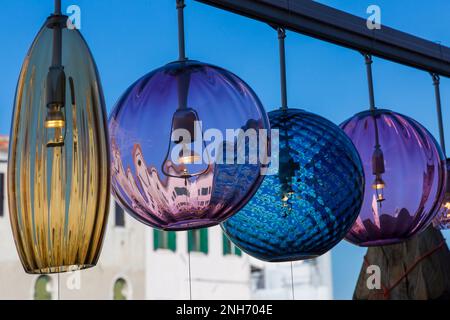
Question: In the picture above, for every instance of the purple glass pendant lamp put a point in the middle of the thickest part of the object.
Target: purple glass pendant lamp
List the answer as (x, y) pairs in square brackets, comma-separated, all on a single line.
[(442, 220), (405, 175), (169, 139)]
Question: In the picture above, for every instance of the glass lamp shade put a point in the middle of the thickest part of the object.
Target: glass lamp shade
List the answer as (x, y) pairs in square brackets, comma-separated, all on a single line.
[(59, 168), (198, 191), (442, 220), (411, 167), (311, 202)]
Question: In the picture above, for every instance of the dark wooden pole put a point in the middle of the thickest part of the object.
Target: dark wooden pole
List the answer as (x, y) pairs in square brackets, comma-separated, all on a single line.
[(429, 279)]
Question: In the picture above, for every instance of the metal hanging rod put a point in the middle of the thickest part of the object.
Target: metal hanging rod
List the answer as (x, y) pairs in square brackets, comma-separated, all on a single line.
[(325, 23), (181, 36), (436, 83), (57, 7), (281, 36), (368, 60)]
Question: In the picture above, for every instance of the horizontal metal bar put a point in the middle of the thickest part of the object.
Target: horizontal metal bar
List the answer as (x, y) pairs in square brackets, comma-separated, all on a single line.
[(325, 23)]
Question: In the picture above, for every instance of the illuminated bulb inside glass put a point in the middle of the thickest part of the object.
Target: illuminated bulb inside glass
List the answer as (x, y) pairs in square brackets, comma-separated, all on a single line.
[(54, 119), (378, 169), (285, 197), (379, 185), (185, 119), (188, 156), (447, 206)]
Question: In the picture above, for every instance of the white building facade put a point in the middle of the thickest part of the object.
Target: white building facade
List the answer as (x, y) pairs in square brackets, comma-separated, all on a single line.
[(138, 262)]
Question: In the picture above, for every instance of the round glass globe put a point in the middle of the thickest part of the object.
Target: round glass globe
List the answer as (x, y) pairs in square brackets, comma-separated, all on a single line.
[(311, 201), (172, 182), (405, 177)]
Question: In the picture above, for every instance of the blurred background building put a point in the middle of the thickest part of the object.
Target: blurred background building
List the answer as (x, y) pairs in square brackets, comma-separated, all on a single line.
[(138, 262)]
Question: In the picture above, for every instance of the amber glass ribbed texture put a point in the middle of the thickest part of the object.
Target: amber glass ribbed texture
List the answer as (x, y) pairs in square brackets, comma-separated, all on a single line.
[(59, 196)]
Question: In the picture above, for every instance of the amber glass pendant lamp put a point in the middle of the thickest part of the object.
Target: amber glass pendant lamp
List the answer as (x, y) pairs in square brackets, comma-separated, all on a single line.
[(58, 171)]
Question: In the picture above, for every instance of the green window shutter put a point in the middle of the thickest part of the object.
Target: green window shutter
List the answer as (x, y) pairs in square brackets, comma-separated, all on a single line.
[(172, 241), (226, 245), (190, 235), (156, 239), (204, 240), (237, 251), (119, 288), (40, 288)]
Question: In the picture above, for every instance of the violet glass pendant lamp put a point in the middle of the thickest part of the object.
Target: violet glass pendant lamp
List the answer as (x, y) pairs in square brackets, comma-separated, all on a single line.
[(59, 167), (405, 175), (311, 202), (442, 220), (177, 184)]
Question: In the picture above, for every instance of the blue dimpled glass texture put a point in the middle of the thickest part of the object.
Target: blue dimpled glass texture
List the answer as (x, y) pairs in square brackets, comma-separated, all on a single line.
[(311, 202)]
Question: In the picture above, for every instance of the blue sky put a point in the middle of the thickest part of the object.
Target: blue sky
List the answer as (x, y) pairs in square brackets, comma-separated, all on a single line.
[(131, 38)]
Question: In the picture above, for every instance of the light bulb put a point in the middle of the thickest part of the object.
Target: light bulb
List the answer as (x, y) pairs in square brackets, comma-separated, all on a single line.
[(188, 156), (56, 100), (378, 169), (447, 206), (287, 171), (186, 132), (378, 185), (55, 119)]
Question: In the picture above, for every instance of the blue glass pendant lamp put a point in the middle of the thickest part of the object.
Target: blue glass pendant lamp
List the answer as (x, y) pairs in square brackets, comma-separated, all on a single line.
[(312, 201)]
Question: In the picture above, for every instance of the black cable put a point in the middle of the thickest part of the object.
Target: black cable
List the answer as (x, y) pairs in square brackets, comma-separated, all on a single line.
[(59, 287), (190, 276), (292, 280)]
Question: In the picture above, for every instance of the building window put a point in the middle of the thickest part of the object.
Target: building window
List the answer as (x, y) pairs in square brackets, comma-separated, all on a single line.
[(257, 279), (198, 240), (121, 291), (120, 216), (2, 194), (164, 240), (43, 288), (229, 247), (181, 191)]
